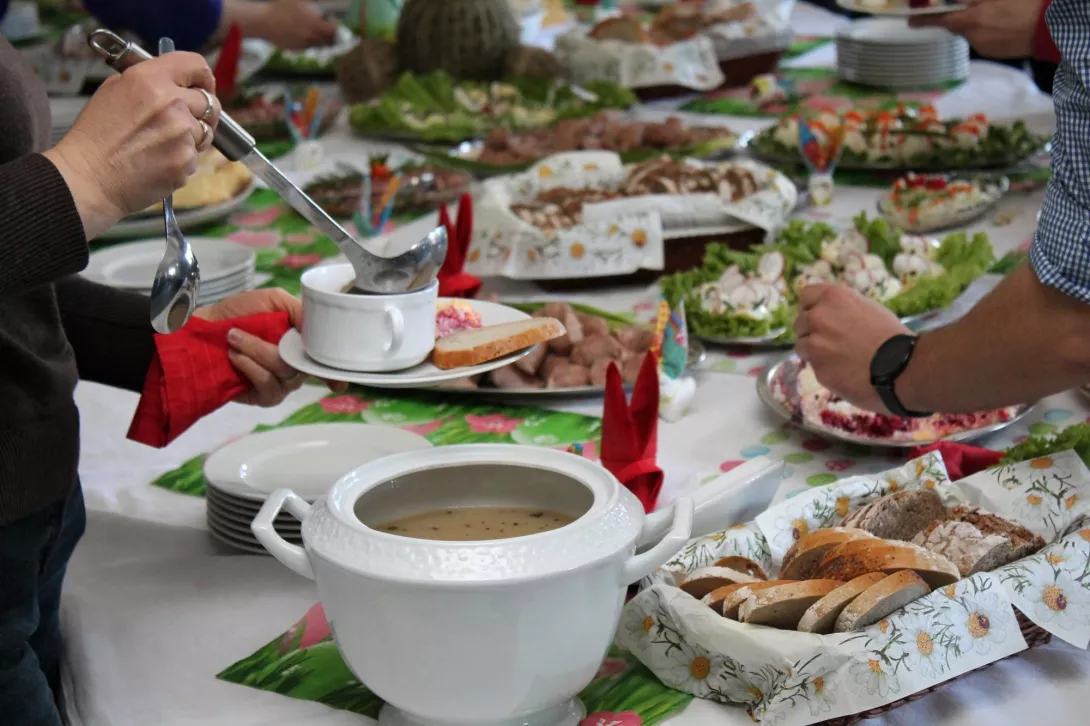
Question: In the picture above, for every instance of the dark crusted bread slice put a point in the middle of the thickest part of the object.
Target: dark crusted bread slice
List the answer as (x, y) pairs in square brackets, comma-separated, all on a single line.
[(881, 599), (783, 605), (742, 564), (966, 546), (822, 615), (699, 583), (850, 560), (901, 515), (804, 556), (1023, 542), (717, 597)]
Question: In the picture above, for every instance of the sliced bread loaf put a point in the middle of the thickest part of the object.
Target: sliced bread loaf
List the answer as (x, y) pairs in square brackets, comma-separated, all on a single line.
[(742, 564), (822, 615), (699, 583), (719, 595), (966, 546), (804, 556), (852, 559), (734, 600), (474, 346), (881, 599), (783, 605), (1023, 542), (901, 515)]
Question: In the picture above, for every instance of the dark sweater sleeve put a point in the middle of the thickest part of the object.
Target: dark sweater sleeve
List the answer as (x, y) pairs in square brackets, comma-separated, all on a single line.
[(189, 23), (41, 234), (110, 332)]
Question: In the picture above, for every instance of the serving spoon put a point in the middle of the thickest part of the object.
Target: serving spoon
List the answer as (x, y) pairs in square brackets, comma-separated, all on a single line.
[(177, 283)]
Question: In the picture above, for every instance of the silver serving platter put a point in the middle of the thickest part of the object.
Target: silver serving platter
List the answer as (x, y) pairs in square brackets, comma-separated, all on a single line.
[(762, 341), (697, 355), (765, 391), (992, 187)]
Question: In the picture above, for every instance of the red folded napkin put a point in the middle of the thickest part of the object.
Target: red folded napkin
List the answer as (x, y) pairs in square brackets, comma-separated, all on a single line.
[(630, 432), (961, 460), (226, 70), (190, 375), (453, 282)]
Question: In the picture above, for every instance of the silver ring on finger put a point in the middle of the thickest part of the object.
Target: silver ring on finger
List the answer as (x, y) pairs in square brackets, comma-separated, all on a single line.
[(209, 106), (206, 133)]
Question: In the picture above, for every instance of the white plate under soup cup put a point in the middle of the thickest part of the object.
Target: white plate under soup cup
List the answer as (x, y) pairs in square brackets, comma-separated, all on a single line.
[(488, 633), (369, 333)]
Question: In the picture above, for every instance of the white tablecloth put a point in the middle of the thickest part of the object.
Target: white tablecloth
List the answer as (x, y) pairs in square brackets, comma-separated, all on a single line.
[(154, 609)]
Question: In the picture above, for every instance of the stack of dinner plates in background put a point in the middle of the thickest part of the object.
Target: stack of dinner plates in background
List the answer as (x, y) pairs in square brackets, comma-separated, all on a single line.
[(227, 268), (885, 52), (306, 459)]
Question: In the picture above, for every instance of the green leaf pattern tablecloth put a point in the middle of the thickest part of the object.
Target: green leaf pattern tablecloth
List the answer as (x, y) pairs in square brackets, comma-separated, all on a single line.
[(442, 420)]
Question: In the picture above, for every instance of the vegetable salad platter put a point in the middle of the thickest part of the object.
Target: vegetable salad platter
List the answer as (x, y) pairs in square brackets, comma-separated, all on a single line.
[(921, 203), (587, 214), (790, 389), (318, 61), (436, 108), (750, 297), (863, 594), (917, 140)]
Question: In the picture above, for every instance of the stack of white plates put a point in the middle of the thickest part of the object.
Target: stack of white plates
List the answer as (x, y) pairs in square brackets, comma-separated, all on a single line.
[(227, 268), (885, 52), (306, 459)]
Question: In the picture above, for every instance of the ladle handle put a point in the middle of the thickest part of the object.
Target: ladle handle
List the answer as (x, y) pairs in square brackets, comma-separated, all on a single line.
[(231, 139), (292, 556)]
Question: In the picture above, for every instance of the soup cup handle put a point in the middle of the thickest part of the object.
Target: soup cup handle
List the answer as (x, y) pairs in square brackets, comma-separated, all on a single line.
[(291, 556), (397, 330), (642, 565)]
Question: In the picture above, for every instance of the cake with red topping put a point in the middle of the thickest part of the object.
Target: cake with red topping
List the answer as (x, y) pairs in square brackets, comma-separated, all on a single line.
[(816, 404), (450, 317)]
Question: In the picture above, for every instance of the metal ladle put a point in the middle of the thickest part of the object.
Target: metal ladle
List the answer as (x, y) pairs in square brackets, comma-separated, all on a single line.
[(413, 269), (177, 284)]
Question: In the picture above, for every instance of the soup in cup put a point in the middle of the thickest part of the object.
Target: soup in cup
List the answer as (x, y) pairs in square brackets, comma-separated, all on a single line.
[(363, 332)]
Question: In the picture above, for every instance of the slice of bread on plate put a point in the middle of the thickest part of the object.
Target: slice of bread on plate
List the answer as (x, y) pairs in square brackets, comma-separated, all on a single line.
[(821, 616), (783, 606), (1023, 542), (742, 564), (474, 346), (966, 546), (700, 582), (804, 556), (881, 599), (624, 28), (901, 515), (734, 600), (850, 560)]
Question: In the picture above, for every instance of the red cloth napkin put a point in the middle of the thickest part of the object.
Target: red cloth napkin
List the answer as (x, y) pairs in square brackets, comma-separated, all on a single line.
[(1044, 47), (453, 282), (190, 375), (226, 70), (961, 460), (630, 432)]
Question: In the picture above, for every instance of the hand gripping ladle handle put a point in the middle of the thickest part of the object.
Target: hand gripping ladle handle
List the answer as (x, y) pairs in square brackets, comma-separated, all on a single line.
[(230, 139)]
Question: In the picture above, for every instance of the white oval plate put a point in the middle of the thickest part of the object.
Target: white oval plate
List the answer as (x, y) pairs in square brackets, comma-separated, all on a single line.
[(230, 540), (992, 189), (132, 266), (900, 12), (762, 340), (423, 375), (244, 532), (231, 515), (766, 381), (305, 459), (188, 219)]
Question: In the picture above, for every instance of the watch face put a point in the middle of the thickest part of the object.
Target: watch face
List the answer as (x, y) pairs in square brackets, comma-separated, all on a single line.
[(891, 357)]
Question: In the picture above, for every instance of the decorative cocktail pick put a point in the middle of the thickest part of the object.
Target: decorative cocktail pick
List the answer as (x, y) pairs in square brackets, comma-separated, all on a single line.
[(820, 148), (670, 346)]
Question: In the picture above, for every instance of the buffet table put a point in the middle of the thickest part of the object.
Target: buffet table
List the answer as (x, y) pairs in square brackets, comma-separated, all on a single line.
[(154, 608)]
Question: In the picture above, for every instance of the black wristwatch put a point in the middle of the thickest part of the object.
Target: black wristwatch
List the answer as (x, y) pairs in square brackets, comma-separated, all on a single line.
[(889, 362)]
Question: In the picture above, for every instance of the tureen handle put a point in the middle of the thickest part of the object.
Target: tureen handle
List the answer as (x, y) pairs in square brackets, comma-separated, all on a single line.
[(642, 565), (292, 556)]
